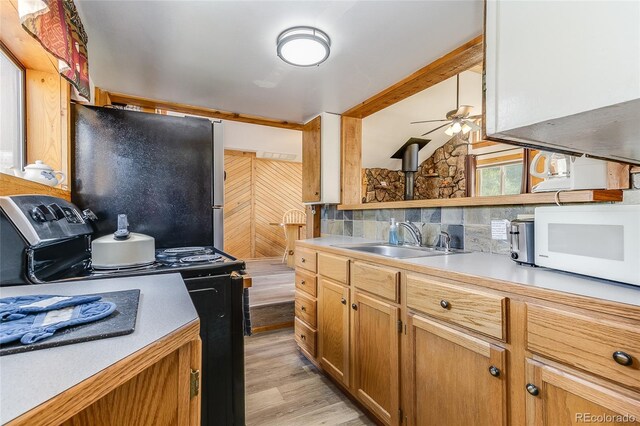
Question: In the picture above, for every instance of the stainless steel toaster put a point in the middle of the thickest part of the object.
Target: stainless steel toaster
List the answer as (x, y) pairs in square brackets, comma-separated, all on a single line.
[(521, 232)]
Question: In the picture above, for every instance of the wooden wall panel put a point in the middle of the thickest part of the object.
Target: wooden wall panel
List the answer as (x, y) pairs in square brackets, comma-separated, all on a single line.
[(257, 193), (238, 204), (278, 188)]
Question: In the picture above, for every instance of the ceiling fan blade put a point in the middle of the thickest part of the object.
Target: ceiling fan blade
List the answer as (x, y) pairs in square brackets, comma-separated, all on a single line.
[(474, 126), (433, 130), (427, 121)]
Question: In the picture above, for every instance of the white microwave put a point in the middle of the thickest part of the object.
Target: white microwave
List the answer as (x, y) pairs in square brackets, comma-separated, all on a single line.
[(600, 240)]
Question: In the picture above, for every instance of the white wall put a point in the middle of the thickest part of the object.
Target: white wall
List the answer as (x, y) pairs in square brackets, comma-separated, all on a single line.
[(387, 130), (262, 139)]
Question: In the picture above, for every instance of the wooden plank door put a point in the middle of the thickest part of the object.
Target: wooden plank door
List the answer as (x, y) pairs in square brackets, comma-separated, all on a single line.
[(376, 341), (333, 324), (556, 397), (311, 161), (455, 379), (238, 204)]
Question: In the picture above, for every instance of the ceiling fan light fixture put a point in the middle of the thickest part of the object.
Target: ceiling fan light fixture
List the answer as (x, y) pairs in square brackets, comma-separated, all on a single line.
[(449, 131), (456, 127), (466, 128), (303, 46)]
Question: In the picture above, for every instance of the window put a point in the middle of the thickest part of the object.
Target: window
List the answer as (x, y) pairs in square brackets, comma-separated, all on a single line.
[(11, 112), (503, 179)]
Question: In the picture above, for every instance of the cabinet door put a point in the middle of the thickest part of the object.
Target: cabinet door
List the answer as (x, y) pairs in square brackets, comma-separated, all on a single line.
[(311, 161), (557, 398), (333, 330), (376, 342), (455, 379)]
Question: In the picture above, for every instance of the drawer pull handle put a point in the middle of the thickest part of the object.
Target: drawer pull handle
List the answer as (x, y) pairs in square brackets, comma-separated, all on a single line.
[(303, 337), (533, 389), (303, 260), (622, 358), (303, 308), (303, 282), (445, 304), (343, 301), (354, 306), (494, 371)]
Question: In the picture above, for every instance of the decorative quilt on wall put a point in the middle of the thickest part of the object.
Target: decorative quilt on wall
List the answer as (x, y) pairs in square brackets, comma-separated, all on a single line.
[(57, 26)]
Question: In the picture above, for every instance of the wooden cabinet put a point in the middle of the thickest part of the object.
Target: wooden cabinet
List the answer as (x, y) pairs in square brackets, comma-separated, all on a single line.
[(157, 385), (333, 329), (376, 342), (455, 379), (558, 397), (544, 84), (414, 348), (321, 160)]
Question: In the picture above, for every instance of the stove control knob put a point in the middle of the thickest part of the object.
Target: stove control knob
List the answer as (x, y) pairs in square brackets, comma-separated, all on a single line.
[(41, 213), (514, 255), (57, 211)]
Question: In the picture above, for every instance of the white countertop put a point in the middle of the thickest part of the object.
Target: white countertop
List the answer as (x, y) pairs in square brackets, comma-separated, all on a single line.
[(30, 378), (502, 268)]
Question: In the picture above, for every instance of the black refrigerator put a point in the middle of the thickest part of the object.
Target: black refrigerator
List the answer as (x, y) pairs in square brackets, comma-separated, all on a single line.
[(166, 173)]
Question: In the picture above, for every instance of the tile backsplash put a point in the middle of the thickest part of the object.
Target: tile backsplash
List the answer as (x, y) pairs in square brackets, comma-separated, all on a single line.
[(469, 227)]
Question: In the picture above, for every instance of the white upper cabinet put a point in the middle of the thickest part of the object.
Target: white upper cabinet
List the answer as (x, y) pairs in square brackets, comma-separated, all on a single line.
[(548, 60)]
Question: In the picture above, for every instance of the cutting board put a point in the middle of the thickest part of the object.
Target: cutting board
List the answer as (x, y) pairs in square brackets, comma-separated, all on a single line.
[(122, 321)]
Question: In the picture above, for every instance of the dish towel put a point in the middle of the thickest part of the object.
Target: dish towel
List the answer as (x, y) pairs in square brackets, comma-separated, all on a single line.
[(13, 308), (34, 327)]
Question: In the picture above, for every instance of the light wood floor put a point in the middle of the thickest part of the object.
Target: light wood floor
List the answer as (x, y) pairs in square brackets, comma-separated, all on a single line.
[(273, 281), (283, 388)]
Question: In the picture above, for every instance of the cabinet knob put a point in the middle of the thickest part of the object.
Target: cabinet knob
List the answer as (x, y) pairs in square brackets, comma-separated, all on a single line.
[(533, 389), (303, 260), (303, 337), (445, 304), (303, 308), (303, 282), (494, 371), (622, 358), (354, 306), (343, 301)]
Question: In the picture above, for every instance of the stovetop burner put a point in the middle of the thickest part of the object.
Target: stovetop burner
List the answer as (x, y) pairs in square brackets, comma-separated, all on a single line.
[(183, 250), (201, 258)]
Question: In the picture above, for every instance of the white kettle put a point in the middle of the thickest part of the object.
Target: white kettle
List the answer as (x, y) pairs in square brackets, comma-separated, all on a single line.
[(41, 173)]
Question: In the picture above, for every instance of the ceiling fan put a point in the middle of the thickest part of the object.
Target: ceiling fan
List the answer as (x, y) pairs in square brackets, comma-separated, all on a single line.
[(458, 120)]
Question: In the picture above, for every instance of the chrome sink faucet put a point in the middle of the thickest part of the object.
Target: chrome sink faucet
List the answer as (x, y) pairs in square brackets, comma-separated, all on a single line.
[(445, 241), (413, 230)]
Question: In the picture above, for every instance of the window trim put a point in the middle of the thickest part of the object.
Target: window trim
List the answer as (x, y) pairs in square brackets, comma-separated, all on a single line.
[(23, 143)]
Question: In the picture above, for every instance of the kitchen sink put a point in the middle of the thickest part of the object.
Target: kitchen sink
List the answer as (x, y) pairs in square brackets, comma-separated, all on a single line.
[(399, 252)]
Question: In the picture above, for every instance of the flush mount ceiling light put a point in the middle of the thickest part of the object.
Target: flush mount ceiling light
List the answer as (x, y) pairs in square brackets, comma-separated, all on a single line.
[(303, 46)]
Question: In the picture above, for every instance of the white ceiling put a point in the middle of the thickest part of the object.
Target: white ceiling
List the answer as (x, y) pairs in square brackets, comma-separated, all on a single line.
[(387, 130), (222, 54)]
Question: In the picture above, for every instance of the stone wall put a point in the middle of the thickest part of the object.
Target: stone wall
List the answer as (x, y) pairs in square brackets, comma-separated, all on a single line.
[(440, 176)]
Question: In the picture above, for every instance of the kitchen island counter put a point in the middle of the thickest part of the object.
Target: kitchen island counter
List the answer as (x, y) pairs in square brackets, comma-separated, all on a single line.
[(498, 272), (46, 379)]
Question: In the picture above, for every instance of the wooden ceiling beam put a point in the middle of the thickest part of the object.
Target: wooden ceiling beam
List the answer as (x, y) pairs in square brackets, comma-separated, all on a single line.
[(461, 59), (124, 99)]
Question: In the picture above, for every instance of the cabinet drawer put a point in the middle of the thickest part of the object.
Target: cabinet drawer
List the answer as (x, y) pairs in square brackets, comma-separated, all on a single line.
[(474, 309), (586, 342), (306, 282), (305, 337), (334, 267), (306, 308), (380, 281), (306, 259)]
